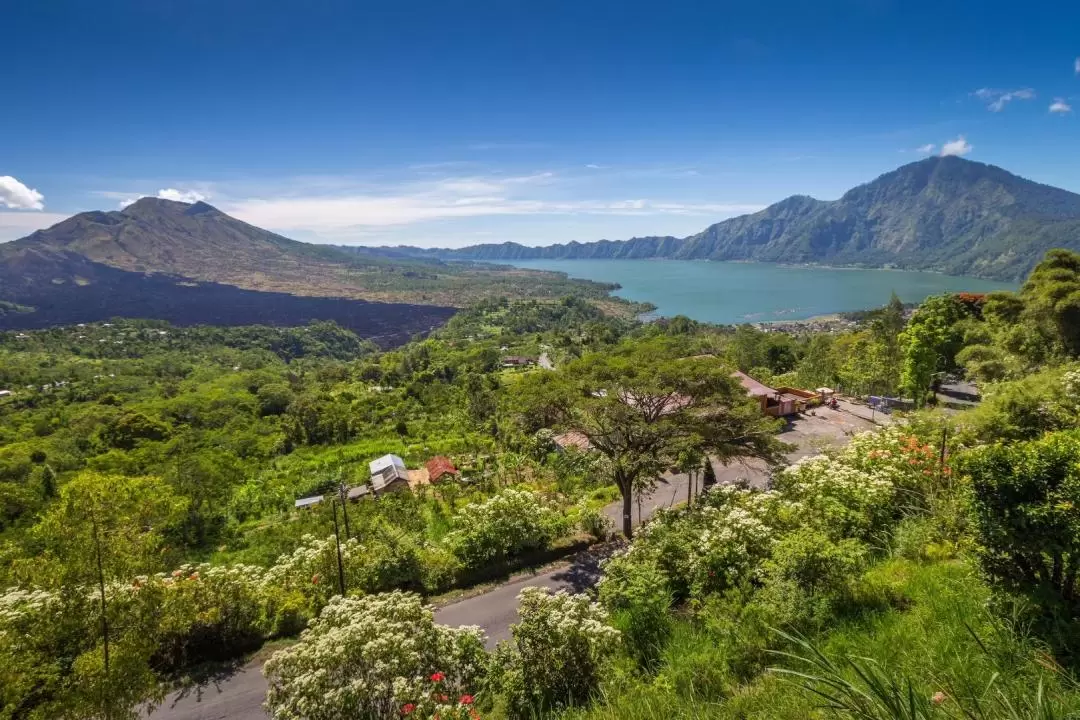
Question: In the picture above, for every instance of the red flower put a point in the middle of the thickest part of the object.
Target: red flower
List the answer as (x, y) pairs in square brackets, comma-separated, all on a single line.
[(466, 700), (408, 709), (473, 714), (314, 579), (437, 677), (442, 698)]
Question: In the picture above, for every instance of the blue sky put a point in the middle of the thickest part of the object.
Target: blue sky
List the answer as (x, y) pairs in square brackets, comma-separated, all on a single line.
[(447, 123)]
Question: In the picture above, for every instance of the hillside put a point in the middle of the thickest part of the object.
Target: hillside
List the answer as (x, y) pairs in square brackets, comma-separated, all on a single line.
[(191, 263), (946, 214)]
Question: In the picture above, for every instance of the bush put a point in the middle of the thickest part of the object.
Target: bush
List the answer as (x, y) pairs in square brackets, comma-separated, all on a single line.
[(559, 650), (593, 521), (508, 524), (642, 613), (1027, 518), (371, 657)]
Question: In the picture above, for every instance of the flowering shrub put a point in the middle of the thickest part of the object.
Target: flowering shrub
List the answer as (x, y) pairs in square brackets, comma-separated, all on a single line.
[(713, 546), (559, 648), (373, 657), (507, 524), (722, 542)]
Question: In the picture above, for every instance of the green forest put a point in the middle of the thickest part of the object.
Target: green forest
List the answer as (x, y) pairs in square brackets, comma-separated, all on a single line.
[(925, 569)]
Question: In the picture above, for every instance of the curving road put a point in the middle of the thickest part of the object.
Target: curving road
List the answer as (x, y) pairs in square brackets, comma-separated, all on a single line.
[(239, 695)]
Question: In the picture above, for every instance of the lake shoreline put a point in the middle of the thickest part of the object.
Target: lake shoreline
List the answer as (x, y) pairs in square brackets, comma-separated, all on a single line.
[(750, 292)]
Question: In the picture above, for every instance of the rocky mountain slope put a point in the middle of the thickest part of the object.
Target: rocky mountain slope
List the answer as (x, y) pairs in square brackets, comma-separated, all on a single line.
[(946, 214)]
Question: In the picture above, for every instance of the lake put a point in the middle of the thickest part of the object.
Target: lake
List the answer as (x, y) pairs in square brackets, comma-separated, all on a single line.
[(737, 292)]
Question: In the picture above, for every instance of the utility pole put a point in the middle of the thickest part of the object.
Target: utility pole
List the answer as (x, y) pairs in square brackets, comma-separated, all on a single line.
[(337, 540), (343, 491), (104, 608)]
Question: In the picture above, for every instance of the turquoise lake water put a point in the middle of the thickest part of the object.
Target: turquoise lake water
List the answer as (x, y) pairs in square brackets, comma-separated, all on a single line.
[(725, 292)]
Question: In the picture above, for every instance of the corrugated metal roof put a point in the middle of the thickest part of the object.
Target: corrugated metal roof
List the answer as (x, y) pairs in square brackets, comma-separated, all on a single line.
[(309, 501), (752, 386), (386, 461)]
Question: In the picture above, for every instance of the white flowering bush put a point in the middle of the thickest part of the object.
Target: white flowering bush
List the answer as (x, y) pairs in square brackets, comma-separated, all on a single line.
[(558, 652), (712, 546), (374, 657), (507, 524), (721, 543)]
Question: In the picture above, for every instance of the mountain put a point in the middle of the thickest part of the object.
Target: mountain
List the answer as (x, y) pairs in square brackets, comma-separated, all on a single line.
[(943, 213), (192, 263)]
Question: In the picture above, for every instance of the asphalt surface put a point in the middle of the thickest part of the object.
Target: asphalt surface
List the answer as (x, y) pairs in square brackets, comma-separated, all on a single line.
[(239, 695)]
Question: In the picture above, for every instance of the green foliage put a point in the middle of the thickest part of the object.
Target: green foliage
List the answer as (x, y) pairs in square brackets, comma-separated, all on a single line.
[(559, 650), (929, 343), (507, 524), (1026, 500)]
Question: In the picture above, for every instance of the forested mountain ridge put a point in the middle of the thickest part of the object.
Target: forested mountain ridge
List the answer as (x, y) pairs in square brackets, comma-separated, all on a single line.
[(942, 213)]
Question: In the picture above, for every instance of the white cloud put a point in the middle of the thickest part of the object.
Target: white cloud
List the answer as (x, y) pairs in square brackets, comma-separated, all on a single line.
[(593, 166), (927, 149), (15, 195), (959, 146), (185, 196), (1060, 106), (997, 99), (1076, 66)]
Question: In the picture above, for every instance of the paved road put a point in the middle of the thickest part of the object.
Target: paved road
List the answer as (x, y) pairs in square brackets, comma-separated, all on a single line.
[(240, 695)]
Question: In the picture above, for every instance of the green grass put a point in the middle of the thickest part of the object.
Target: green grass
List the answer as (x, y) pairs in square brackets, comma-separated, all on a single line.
[(919, 628)]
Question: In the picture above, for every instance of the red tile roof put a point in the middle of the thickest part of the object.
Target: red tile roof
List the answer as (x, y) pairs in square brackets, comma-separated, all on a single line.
[(438, 466)]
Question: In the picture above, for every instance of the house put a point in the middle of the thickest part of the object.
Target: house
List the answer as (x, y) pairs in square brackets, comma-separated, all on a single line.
[(517, 361), (388, 474), (309, 501), (5, 393), (440, 468), (773, 402)]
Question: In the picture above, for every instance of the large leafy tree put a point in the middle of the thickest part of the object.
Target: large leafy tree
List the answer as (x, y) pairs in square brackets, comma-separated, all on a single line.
[(929, 343), (642, 407)]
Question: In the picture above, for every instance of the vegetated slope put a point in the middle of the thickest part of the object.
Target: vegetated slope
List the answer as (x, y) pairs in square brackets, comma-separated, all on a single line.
[(946, 214)]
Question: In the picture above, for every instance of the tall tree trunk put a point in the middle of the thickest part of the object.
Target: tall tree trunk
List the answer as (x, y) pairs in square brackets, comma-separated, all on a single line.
[(626, 488)]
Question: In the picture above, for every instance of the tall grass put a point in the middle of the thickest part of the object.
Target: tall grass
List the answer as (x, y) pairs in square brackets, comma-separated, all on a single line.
[(921, 642)]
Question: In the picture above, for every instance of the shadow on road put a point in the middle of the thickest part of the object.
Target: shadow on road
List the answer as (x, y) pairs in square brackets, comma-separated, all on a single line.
[(583, 572), (209, 676)]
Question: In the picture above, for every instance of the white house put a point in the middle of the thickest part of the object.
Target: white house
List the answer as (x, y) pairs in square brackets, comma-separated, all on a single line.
[(388, 473), (5, 393)]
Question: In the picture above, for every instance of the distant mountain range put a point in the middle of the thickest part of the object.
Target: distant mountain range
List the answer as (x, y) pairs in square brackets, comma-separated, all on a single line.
[(943, 213), (192, 263)]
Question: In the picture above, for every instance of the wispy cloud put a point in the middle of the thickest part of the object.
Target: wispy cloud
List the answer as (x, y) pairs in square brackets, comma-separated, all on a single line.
[(15, 195), (1060, 106), (1076, 66), (959, 146), (366, 208), (927, 149), (997, 99)]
